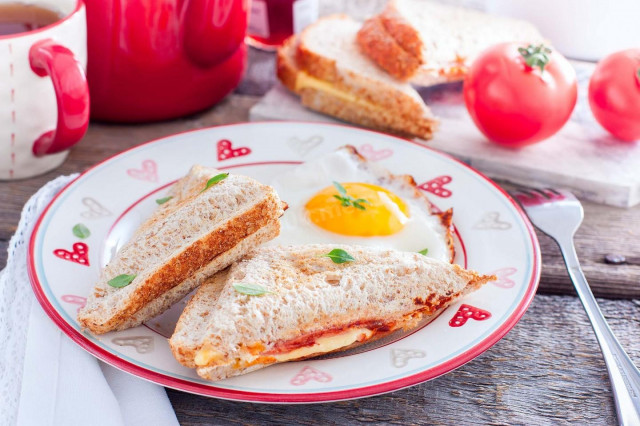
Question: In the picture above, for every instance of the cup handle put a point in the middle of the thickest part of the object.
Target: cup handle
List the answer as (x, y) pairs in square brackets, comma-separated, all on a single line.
[(213, 30), (48, 58)]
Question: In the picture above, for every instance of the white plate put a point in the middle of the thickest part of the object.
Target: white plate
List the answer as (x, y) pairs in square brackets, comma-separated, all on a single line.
[(112, 199)]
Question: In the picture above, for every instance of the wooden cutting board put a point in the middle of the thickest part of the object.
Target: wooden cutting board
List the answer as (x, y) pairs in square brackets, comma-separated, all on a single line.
[(582, 157)]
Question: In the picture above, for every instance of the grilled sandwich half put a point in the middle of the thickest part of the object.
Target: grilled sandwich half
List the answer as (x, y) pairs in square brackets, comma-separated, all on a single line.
[(199, 231), (310, 305), (327, 69), (428, 43)]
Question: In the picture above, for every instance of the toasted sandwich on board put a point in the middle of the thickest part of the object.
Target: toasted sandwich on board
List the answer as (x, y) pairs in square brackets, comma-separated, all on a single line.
[(285, 303), (429, 43), (210, 220), (326, 68)]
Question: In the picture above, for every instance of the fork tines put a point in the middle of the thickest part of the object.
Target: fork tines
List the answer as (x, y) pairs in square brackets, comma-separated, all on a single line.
[(535, 196)]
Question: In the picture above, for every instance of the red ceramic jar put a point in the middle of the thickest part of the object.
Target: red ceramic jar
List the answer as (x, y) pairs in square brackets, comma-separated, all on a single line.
[(158, 59)]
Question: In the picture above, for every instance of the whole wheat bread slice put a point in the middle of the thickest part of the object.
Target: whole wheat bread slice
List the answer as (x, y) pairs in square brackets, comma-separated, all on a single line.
[(223, 332), (327, 51), (192, 236), (428, 43)]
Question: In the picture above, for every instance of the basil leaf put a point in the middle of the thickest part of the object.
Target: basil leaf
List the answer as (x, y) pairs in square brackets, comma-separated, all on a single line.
[(424, 251), (121, 280), (163, 200), (81, 231), (339, 256), (214, 180), (250, 289)]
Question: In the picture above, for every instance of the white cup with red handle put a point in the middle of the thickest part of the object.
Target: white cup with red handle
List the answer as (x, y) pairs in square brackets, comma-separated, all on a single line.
[(44, 98)]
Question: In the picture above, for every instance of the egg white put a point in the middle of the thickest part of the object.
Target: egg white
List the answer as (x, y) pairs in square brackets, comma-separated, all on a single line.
[(297, 186)]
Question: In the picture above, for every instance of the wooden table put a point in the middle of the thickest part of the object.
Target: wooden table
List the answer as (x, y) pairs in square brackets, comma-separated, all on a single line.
[(547, 370)]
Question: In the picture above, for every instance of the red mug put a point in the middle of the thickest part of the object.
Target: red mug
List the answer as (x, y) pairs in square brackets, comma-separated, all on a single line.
[(158, 59)]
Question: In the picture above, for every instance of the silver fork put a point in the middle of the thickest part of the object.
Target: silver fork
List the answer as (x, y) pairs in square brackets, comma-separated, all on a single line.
[(559, 214)]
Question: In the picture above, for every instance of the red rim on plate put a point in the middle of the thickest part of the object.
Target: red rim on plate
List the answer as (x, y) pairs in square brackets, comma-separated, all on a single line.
[(238, 395)]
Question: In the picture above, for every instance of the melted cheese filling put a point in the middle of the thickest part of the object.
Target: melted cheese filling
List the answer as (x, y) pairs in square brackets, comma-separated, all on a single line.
[(207, 355), (327, 344), (304, 80)]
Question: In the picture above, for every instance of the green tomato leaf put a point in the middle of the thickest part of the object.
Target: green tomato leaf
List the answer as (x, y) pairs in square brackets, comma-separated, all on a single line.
[(214, 180), (121, 280), (163, 200), (536, 56), (424, 251), (251, 289), (339, 256), (81, 231)]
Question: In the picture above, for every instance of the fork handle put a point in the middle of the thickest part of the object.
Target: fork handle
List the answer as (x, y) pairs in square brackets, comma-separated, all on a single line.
[(624, 376)]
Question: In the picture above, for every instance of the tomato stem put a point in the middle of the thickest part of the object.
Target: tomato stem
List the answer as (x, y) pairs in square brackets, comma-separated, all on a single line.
[(535, 56)]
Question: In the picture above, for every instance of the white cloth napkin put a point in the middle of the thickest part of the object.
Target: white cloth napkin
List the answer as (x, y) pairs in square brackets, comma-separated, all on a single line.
[(45, 378)]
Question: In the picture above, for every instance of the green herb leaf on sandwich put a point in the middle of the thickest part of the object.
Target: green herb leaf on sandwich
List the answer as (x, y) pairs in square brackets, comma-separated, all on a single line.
[(122, 280), (251, 289), (214, 180), (424, 251), (339, 256)]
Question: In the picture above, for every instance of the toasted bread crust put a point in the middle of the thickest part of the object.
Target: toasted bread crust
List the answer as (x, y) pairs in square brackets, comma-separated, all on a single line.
[(367, 116), (177, 293), (157, 287), (402, 32), (385, 50), (384, 95), (387, 110), (428, 55), (188, 262), (286, 67)]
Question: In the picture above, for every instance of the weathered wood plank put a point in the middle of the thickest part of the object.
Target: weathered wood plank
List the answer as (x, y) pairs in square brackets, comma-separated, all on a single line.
[(547, 370)]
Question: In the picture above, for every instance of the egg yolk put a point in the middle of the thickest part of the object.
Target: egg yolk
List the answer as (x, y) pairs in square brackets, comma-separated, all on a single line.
[(384, 212)]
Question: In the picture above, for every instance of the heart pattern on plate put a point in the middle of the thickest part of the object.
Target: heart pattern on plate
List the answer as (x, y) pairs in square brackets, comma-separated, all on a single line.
[(467, 311), (503, 275), (400, 357), (143, 344), (309, 373), (148, 172), (95, 209), (80, 254), (304, 146), (227, 151), (96, 199), (437, 186), (371, 154), (491, 220), (73, 299)]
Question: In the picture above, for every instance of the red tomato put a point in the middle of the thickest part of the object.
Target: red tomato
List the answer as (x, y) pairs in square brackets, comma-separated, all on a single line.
[(614, 94), (514, 101)]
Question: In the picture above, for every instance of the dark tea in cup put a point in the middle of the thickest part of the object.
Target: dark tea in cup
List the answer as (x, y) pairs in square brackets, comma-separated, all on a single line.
[(20, 17)]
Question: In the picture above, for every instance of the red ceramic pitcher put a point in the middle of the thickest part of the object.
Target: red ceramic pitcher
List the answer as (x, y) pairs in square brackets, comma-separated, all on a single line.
[(158, 59)]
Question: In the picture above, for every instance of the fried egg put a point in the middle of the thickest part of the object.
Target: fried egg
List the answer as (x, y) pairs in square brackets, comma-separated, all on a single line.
[(342, 198)]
